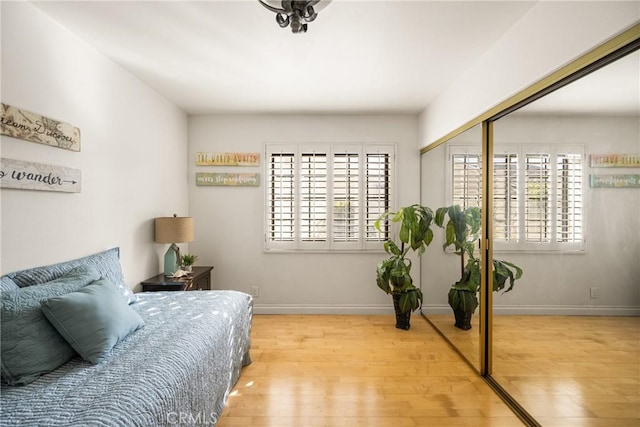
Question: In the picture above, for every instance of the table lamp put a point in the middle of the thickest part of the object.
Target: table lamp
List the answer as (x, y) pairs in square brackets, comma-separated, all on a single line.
[(173, 230)]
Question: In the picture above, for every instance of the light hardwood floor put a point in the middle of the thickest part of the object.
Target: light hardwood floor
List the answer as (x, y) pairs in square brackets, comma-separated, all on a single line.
[(566, 371), (571, 371), (352, 371)]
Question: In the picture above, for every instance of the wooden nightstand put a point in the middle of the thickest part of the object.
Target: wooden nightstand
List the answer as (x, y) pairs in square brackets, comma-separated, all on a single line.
[(198, 280)]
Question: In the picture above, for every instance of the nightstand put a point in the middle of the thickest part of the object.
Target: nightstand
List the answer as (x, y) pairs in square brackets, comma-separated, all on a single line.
[(198, 280)]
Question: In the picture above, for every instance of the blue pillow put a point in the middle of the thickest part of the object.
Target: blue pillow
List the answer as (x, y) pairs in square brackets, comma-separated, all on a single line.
[(93, 320), (30, 345), (6, 284)]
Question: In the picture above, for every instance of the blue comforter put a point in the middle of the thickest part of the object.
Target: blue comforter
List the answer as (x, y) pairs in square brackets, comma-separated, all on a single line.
[(176, 370)]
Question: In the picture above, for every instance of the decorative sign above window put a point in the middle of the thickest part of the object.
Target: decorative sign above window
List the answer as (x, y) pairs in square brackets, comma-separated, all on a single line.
[(227, 159), (615, 160), (37, 176), (23, 124), (614, 181), (228, 179)]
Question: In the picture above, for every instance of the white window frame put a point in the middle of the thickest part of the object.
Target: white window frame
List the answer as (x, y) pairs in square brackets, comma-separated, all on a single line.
[(521, 151), (329, 244)]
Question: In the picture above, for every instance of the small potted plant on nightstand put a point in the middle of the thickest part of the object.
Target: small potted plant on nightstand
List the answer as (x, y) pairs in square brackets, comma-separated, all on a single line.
[(187, 261)]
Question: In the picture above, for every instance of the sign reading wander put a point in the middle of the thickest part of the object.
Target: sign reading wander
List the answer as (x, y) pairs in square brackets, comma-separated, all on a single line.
[(228, 179), (33, 127), (38, 176)]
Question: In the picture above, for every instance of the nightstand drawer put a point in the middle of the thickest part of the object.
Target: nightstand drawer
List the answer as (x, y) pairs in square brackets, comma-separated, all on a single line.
[(199, 280), (157, 287)]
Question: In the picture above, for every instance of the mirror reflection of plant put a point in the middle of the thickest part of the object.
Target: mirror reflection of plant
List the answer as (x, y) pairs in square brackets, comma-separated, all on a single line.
[(462, 231)]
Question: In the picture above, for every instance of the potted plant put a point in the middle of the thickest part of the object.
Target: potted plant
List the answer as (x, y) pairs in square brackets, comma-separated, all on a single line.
[(463, 231), (394, 273), (187, 261)]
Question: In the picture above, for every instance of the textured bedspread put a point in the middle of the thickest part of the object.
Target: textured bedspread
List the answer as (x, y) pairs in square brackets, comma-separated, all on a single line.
[(176, 370)]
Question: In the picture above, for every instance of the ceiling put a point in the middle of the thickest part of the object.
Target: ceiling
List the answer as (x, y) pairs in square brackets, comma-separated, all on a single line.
[(231, 56)]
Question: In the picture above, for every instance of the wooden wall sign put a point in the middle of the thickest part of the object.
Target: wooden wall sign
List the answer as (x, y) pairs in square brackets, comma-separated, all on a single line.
[(227, 159), (37, 176), (615, 160), (23, 124), (228, 179), (614, 181)]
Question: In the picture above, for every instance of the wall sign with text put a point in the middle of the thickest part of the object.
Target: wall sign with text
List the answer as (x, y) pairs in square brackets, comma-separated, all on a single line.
[(227, 159), (28, 126), (614, 181), (228, 179), (615, 160), (38, 176)]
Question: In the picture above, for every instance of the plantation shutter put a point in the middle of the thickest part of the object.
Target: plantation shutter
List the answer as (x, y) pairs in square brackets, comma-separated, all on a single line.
[(505, 197), (346, 196), (538, 194), (466, 180), (378, 198), (327, 197), (537, 208), (569, 190), (281, 203), (313, 197)]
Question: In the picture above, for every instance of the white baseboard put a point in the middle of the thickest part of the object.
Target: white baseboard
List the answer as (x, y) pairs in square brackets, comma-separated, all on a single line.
[(322, 309), (553, 310)]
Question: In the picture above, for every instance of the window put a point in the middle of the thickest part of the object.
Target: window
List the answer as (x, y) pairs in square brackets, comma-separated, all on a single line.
[(327, 197), (537, 194)]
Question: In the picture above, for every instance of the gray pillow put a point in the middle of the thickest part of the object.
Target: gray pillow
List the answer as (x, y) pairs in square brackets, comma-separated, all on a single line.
[(107, 263), (93, 320), (30, 345)]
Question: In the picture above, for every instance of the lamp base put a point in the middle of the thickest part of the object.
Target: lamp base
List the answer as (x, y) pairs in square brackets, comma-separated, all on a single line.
[(171, 260)]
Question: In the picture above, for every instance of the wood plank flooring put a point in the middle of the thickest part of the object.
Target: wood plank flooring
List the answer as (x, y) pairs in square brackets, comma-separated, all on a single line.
[(352, 371), (571, 371), (566, 371)]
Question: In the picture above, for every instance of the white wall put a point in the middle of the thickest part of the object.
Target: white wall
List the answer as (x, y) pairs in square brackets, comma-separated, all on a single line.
[(229, 220), (555, 283), (550, 35), (133, 157)]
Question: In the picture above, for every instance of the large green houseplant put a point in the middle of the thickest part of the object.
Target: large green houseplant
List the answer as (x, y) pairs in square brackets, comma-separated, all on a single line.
[(394, 273), (462, 231)]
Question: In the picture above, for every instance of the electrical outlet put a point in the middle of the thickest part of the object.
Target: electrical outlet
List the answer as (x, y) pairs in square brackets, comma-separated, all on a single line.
[(255, 291), (594, 292)]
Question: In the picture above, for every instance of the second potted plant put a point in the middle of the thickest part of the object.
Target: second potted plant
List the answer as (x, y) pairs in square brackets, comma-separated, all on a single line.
[(462, 231)]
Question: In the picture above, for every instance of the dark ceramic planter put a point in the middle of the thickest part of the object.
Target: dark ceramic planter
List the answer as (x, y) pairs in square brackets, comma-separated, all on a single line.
[(463, 319), (402, 319)]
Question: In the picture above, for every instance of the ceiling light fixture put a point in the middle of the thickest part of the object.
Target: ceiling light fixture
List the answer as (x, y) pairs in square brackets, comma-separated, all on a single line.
[(295, 13)]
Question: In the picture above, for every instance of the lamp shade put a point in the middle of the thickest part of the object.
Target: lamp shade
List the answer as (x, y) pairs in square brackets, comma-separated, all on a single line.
[(174, 229)]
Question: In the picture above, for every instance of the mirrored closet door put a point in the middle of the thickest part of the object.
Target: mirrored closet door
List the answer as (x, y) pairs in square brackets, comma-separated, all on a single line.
[(451, 175), (566, 204), (562, 345)]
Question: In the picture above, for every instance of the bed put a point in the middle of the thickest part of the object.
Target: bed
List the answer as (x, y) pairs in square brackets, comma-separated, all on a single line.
[(176, 369)]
